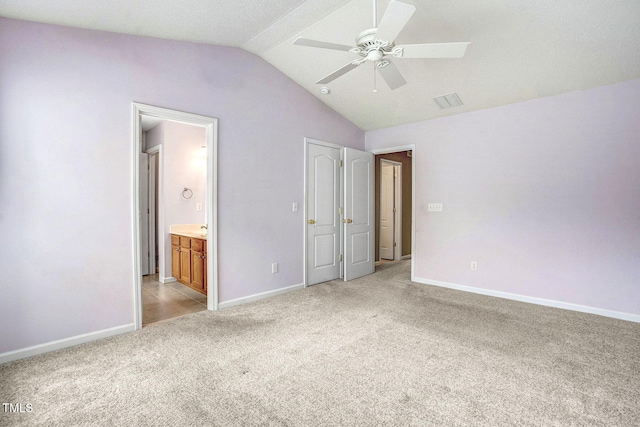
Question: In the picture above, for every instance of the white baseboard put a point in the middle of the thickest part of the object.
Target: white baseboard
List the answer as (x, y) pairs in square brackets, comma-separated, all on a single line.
[(64, 343), (532, 300), (167, 279), (257, 297)]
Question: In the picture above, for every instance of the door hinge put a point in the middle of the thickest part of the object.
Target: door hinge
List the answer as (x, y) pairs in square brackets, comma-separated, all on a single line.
[(340, 257), (340, 163), (394, 244)]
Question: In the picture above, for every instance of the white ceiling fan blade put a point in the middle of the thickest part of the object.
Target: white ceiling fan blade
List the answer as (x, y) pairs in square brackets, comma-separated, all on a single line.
[(392, 76), (395, 18), (323, 45), (433, 50), (344, 70)]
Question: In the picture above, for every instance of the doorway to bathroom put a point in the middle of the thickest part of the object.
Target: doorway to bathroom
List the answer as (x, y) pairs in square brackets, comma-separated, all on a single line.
[(175, 192), (174, 158)]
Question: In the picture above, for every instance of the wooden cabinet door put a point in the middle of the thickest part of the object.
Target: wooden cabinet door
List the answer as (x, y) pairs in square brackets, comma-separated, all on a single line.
[(185, 265), (175, 261), (198, 271), (204, 279)]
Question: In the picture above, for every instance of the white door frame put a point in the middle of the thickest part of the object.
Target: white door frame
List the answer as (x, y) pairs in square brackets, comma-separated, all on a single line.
[(308, 141), (412, 148), (210, 124), (397, 201)]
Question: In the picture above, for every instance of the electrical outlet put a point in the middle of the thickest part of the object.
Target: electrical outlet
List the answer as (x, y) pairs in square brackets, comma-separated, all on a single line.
[(199, 207), (474, 265), (274, 267), (434, 207)]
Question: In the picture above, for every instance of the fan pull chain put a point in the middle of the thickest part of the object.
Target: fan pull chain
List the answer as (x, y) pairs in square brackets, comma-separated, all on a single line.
[(375, 86)]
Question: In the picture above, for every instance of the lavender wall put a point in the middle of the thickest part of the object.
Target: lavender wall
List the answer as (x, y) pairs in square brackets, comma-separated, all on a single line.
[(65, 169), (544, 195)]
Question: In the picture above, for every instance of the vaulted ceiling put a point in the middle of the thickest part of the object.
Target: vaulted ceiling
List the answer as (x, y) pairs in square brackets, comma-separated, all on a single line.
[(519, 50)]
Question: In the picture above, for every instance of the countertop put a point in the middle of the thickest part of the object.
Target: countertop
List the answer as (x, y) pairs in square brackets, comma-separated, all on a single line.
[(189, 230)]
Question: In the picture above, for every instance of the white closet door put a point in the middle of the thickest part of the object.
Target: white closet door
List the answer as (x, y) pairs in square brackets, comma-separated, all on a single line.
[(358, 213), (323, 217)]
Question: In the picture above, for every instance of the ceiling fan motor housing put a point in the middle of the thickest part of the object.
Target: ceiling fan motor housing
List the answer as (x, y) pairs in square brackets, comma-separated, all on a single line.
[(370, 47)]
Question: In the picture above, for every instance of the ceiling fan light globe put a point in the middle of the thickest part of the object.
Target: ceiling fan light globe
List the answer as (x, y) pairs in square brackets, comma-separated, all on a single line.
[(375, 55)]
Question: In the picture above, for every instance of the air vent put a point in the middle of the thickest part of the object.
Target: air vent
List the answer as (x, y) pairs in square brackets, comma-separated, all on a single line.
[(448, 101)]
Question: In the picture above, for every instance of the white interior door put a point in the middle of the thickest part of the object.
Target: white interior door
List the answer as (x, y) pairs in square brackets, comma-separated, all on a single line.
[(387, 205), (144, 214), (323, 215), (153, 230), (358, 213), (397, 210)]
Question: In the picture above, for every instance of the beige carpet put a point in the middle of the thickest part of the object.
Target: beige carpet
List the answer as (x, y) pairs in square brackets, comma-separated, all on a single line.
[(375, 351)]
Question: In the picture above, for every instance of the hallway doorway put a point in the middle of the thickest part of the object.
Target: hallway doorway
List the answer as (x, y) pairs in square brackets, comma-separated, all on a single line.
[(394, 204)]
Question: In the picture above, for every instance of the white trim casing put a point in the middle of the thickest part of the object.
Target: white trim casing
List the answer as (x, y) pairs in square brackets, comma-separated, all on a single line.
[(532, 300), (158, 151), (64, 343)]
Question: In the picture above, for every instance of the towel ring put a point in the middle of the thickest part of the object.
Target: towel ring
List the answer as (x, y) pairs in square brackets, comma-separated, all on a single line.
[(187, 193)]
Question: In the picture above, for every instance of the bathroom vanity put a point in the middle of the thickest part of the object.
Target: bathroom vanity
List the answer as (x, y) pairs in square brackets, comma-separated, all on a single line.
[(189, 260)]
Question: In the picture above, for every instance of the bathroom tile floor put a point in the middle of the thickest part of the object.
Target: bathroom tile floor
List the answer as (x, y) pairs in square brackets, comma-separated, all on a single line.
[(161, 301)]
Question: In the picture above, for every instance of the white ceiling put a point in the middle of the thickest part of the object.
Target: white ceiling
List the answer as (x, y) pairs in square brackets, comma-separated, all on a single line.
[(519, 50)]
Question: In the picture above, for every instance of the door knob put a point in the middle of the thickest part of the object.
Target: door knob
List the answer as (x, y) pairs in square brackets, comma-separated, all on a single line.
[(349, 221), (311, 221)]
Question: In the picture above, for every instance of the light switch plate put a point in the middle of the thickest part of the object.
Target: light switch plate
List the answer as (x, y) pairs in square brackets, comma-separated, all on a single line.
[(294, 208)]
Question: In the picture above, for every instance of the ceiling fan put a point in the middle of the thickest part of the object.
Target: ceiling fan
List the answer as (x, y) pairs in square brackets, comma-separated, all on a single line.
[(377, 44)]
